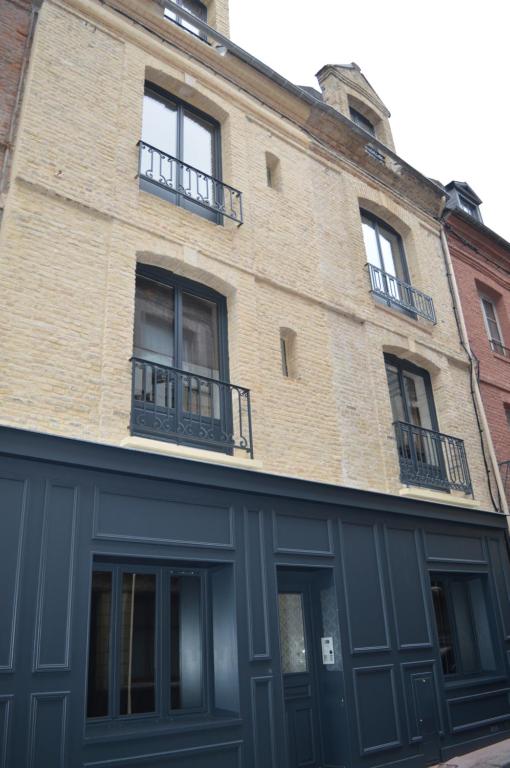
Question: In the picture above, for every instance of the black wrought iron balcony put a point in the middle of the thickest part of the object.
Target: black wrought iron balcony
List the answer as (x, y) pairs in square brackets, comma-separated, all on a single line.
[(186, 184), (432, 459), (504, 468), (182, 407), (499, 348), (396, 292)]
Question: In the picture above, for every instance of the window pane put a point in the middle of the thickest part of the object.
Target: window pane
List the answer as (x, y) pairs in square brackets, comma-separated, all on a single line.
[(370, 240), (362, 121), (392, 259), (138, 633), (463, 628), (444, 630), (417, 401), (466, 206), (192, 6), (397, 402), (159, 129), (186, 652), (154, 342), (492, 323), (154, 322), (468, 655), (99, 644), (159, 125), (481, 624), (292, 632), (200, 354), (198, 143)]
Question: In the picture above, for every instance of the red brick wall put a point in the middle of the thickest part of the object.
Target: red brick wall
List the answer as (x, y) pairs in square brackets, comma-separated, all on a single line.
[(482, 264), (14, 30)]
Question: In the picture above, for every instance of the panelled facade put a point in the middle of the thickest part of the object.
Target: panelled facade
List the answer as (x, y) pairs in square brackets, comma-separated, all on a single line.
[(481, 260), (250, 512)]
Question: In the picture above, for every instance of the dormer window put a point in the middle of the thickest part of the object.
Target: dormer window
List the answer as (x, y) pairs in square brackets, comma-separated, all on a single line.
[(194, 7), (361, 121), (468, 207), (462, 197)]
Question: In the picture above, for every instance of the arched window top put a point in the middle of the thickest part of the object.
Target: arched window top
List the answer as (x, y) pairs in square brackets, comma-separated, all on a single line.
[(387, 267), (180, 323), (383, 246)]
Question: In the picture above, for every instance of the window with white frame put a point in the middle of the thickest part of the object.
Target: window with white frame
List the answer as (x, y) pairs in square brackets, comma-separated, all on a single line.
[(492, 326)]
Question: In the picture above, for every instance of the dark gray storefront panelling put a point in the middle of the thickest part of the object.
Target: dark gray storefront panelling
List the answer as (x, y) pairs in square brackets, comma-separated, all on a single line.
[(362, 565)]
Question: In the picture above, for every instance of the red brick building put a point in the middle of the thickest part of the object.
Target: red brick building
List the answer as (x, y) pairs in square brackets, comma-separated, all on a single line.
[(481, 261), (17, 20)]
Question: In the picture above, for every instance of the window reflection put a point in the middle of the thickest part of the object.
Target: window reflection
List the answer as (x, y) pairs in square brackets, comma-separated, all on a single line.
[(194, 7), (186, 652), (99, 644), (137, 692), (160, 626), (462, 622), (181, 158)]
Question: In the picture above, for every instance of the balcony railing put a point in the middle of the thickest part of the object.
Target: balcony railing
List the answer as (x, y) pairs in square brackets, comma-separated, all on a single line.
[(499, 348), (190, 184), (182, 407), (504, 468), (431, 459), (396, 292)]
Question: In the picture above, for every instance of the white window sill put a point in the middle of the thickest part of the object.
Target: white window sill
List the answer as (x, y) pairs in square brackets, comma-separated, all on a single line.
[(192, 454), (438, 497)]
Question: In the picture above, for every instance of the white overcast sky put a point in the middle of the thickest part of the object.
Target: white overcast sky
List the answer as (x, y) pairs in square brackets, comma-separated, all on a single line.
[(440, 66)]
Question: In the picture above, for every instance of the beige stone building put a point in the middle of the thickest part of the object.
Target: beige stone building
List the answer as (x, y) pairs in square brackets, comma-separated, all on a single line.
[(77, 222), (182, 226)]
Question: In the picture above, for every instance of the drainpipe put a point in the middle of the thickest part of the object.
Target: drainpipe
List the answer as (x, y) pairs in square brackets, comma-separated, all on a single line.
[(475, 387), (9, 146)]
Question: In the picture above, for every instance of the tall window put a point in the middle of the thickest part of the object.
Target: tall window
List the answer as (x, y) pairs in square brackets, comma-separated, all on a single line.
[(179, 323), (413, 411), (410, 393), (191, 6), (387, 265), (462, 622), (180, 155), (162, 641), (180, 385), (383, 247), (492, 326)]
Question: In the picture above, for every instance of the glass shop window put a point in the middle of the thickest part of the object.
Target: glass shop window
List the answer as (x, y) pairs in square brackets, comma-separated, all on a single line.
[(463, 626), (147, 640)]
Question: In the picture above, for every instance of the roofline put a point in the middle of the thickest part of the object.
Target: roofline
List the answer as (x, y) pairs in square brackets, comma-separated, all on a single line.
[(295, 90), (479, 225), (458, 187), (356, 68)]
